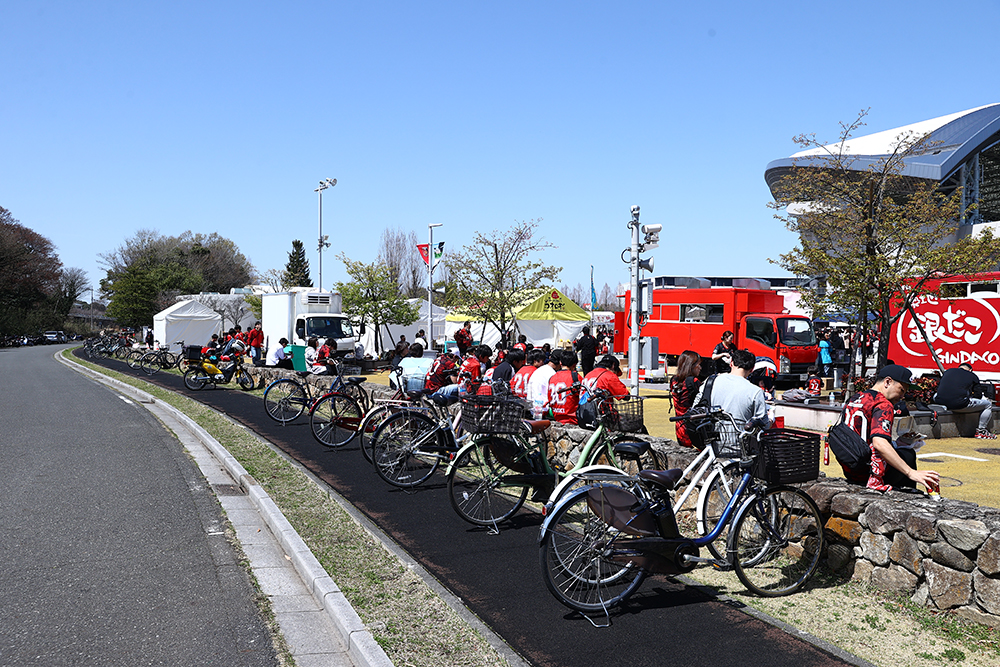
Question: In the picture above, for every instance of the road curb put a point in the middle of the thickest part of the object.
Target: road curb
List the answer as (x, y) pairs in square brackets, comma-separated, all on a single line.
[(362, 647)]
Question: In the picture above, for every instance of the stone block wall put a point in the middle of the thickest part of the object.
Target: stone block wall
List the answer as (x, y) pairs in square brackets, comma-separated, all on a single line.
[(943, 554)]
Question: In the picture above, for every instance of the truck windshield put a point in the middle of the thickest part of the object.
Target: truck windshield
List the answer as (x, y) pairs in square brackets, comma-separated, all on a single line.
[(796, 331), (329, 327)]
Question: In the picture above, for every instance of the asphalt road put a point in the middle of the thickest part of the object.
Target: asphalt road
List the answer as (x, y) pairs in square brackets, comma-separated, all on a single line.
[(499, 577), (111, 548)]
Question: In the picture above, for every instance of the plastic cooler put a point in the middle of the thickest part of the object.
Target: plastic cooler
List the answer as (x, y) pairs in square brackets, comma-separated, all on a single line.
[(298, 356)]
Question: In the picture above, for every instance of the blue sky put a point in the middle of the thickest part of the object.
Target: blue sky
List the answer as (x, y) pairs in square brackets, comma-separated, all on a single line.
[(223, 116)]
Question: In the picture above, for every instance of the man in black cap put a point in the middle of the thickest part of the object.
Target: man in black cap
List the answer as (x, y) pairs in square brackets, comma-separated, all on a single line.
[(955, 392), (870, 415)]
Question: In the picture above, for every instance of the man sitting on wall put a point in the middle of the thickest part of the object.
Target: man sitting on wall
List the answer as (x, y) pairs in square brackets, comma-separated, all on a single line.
[(955, 392)]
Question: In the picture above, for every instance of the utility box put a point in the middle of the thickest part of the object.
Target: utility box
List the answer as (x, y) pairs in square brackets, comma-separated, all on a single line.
[(649, 353)]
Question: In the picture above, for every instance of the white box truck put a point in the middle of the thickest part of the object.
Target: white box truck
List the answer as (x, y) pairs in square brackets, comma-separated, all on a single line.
[(302, 313)]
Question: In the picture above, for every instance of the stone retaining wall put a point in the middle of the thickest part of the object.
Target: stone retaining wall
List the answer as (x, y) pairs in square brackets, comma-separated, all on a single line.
[(943, 554)]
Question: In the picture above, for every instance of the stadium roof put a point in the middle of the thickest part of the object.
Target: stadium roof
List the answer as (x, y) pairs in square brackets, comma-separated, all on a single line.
[(953, 140)]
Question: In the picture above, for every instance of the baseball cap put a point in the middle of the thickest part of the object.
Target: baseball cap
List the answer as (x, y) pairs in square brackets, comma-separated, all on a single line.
[(900, 374), (610, 362)]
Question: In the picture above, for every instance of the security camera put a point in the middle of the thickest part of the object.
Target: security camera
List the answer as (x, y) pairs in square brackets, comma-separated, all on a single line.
[(651, 229)]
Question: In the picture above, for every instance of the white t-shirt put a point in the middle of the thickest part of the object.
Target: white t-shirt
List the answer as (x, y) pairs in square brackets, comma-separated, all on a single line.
[(276, 354), (538, 388)]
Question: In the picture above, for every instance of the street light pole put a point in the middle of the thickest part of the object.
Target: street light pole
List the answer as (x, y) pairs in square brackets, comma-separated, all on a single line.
[(430, 282), (91, 310), (323, 185)]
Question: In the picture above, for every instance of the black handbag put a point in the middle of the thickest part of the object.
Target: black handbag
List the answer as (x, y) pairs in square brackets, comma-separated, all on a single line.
[(700, 429), (851, 450)]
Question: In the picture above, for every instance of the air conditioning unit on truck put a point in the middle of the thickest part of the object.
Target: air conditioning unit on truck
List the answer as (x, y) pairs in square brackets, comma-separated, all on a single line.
[(303, 313), (963, 325), (695, 319)]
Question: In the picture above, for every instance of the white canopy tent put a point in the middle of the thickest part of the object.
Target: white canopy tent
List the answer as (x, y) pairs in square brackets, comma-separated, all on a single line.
[(392, 332), (187, 321)]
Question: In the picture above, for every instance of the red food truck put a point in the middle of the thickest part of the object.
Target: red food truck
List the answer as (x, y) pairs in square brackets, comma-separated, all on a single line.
[(963, 325), (695, 319)]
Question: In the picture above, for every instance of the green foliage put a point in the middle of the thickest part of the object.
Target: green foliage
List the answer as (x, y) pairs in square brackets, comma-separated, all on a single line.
[(373, 297), (497, 273), (171, 265), (874, 235), (134, 302), (296, 272)]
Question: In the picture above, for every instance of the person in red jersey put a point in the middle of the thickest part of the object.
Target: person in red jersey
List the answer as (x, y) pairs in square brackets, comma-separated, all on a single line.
[(474, 367), (563, 398), (519, 383), (870, 415), (606, 376)]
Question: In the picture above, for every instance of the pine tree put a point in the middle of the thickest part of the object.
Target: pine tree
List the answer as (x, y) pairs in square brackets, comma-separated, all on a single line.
[(297, 269)]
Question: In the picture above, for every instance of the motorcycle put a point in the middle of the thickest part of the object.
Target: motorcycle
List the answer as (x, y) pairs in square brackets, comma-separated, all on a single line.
[(209, 369)]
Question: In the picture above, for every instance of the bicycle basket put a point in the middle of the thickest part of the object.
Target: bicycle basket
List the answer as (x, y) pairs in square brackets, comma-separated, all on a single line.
[(492, 414), (192, 352), (724, 436), (623, 414), (787, 456)]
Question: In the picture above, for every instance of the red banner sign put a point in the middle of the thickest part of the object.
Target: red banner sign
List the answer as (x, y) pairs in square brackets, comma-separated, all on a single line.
[(961, 331)]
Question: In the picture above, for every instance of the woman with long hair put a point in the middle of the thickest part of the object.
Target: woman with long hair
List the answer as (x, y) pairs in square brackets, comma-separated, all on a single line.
[(684, 387)]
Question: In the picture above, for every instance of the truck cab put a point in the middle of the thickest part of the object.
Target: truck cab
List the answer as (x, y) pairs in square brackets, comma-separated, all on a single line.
[(788, 339), (325, 327)]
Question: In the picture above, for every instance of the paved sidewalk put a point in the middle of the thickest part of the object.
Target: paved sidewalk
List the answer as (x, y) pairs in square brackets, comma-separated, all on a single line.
[(318, 624)]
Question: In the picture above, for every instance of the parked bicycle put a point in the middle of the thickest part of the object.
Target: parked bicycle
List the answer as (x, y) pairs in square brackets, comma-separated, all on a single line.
[(383, 408), (409, 445), (161, 358), (286, 399), (600, 541), (489, 479)]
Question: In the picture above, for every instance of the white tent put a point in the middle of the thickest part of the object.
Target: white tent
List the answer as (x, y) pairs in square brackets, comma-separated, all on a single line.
[(392, 332), (187, 321)]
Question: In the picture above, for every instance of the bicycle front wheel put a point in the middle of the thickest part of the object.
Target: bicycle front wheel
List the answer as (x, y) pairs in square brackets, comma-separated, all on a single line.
[(335, 419), (373, 419), (713, 497), (576, 558), (133, 358), (477, 488), (285, 400), (149, 363), (398, 449), (777, 541)]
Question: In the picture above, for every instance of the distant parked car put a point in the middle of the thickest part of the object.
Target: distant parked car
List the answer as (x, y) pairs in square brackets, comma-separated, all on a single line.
[(54, 337)]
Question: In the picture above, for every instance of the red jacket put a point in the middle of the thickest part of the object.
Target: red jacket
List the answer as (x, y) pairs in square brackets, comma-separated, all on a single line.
[(255, 338)]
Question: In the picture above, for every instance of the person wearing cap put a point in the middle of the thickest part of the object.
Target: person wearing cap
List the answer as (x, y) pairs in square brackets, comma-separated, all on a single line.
[(606, 376), (955, 392), (870, 415)]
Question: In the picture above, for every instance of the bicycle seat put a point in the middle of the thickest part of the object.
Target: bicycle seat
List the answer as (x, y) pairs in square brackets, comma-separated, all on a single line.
[(632, 449), (535, 427), (355, 379), (664, 478), (414, 395), (443, 400)]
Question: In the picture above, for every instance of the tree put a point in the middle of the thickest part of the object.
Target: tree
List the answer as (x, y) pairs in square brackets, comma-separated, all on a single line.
[(398, 251), (498, 273), (134, 300), (606, 299), (30, 272), (173, 265), (873, 236), (373, 297), (296, 272), (230, 307)]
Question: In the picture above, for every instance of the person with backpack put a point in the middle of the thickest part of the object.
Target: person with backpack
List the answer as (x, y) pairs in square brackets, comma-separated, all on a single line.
[(606, 376), (870, 415), (463, 339), (684, 387)]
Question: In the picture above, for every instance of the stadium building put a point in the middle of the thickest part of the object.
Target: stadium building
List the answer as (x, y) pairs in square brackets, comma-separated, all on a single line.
[(963, 150)]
